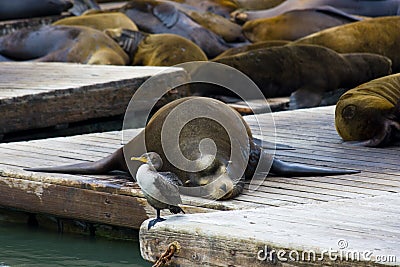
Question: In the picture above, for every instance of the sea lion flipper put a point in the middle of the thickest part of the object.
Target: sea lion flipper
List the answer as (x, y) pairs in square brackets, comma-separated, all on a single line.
[(294, 169), (305, 98), (330, 10), (81, 6), (113, 162), (128, 40), (167, 14)]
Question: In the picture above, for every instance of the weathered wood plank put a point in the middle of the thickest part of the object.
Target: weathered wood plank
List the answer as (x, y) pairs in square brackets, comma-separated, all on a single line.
[(71, 202), (235, 238), (39, 95)]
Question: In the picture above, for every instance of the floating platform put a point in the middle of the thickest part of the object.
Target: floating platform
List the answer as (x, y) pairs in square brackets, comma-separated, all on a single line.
[(298, 213), (347, 220), (41, 95)]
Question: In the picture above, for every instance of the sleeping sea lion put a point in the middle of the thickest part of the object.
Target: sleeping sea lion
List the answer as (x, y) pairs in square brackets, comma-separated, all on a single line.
[(370, 113), (306, 71), (378, 35), (62, 44), (295, 24), (154, 16), (100, 21), (369, 8), (245, 48), (190, 138), (157, 49), (20, 9)]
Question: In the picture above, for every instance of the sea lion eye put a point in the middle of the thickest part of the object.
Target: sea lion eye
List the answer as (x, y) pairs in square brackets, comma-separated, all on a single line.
[(349, 112)]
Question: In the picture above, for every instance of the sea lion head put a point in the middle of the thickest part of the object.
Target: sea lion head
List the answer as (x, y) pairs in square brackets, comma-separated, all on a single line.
[(360, 117)]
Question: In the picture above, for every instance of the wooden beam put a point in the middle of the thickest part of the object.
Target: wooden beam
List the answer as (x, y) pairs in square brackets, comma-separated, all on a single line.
[(362, 232)]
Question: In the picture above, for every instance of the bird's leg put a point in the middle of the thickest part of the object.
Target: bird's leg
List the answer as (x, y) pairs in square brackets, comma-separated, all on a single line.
[(156, 220)]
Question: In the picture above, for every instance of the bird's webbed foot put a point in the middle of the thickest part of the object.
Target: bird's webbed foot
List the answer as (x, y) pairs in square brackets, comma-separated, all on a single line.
[(154, 221)]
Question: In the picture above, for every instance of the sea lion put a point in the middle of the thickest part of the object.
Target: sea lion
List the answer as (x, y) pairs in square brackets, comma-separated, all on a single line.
[(370, 113), (294, 24), (378, 35), (20, 9), (245, 48), (190, 141), (159, 188), (219, 7), (306, 71), (100, 21), (62, 44), (369, 8), (157, 49), (154, 16), (228, 30)]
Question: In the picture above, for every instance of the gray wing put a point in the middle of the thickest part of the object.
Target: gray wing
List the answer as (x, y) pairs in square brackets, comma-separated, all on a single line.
[(171, 178), (159, 188)]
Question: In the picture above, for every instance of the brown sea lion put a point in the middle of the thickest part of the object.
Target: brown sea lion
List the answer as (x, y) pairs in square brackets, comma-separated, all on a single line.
[(294, 24), (306, 71), (157, 49), (190, 138), (62, 44), (370, 113), (100, 21), (378, 35), (154, 16), (245, 48), (369, 8), (19, 9)]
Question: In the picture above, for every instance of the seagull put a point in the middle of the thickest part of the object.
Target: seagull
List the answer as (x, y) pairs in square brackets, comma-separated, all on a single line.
[(159, 188)]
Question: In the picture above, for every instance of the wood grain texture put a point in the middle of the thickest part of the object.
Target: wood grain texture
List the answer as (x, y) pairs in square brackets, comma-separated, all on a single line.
[(235, 238), (39, 95)]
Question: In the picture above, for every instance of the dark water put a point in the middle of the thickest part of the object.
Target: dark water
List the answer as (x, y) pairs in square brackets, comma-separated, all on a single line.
[(23, 246)]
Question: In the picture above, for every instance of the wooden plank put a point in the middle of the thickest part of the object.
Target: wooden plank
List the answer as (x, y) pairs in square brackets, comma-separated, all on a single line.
[(87, 205), (235, 238), (49, 94)]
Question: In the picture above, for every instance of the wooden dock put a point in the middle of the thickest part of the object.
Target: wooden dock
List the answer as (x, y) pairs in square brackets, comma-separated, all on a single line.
[(291, 217), (290, 213), (40, 95)]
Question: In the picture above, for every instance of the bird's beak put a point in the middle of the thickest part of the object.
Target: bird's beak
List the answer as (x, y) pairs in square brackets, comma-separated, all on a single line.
[(141, 159)]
